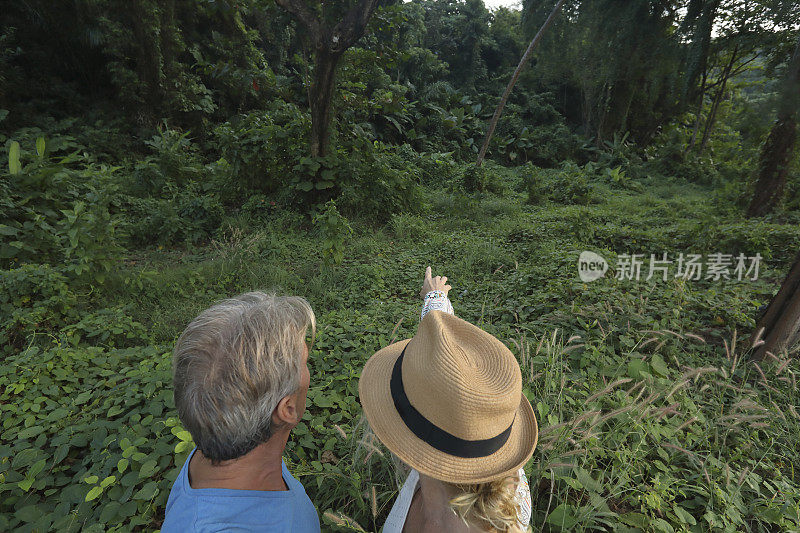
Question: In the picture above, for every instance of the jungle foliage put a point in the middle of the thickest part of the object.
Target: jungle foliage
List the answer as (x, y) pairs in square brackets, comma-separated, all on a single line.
[(157, 158)]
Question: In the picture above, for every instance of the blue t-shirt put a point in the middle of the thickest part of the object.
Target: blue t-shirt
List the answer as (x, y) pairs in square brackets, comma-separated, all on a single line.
[(207, 510)]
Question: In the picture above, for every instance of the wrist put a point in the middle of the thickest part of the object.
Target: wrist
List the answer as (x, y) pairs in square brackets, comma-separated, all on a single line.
[(435, 293)]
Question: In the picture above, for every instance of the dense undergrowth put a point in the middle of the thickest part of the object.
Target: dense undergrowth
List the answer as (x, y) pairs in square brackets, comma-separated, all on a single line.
[(651, 417), (158, 161)]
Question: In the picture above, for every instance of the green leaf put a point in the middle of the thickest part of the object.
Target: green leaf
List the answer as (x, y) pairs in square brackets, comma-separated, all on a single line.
[(661, 525), (323, 401), (14, 166), (29, 513), (60, 454), (658, 365), (83, 397), (635, 519), (34, 470), (94, 493), (30, 432), (183, 446), (147, 469), (146, 492), (40, 146), (184, 436), (636, 367), (122, 465), (128, 509), (130, 479), (587, 480), (91, 480), (109, 512), (8, 230), (683, 515), (563, 516), (108, 481)]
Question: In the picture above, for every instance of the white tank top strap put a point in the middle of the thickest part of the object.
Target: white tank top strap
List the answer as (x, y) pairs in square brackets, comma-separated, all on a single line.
[(397, 516)]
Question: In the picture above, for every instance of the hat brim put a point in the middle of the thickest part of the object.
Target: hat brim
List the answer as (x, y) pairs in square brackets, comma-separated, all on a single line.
[(376, 400)]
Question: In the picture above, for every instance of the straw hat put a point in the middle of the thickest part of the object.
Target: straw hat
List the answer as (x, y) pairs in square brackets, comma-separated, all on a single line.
[(464, 418)]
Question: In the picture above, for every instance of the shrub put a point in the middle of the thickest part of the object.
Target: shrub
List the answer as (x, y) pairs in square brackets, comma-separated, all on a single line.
[(569, 186), (792, 200), (175, 162), (263, 147), (726, 158), (201, 213), (533, 132), (774, 242), (334, 230), (56, 212), (171, 196), (437, 168), (381, 181), (476, 179), (111, 327), (33, 299), (258, 206), (489, 177), (189, 215), (408, 228)]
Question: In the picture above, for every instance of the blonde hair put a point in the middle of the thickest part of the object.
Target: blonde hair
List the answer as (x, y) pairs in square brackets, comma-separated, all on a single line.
[(233, 364), (489, 506)]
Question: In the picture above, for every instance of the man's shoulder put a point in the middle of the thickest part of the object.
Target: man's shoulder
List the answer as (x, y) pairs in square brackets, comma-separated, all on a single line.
[(211, 510)]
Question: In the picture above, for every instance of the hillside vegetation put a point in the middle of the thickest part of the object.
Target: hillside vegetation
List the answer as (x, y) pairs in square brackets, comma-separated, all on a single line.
[(156, 159)]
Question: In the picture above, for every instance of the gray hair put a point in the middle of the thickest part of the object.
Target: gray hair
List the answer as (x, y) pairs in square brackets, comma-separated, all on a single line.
[(233, 364)]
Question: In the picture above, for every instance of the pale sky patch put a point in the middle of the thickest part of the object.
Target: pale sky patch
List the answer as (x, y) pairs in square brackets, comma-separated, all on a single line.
[(492, 4), (511, 4)]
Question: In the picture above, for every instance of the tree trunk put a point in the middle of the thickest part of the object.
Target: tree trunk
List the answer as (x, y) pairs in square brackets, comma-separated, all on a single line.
[(145, 22), (699, 116), (522, 62), (329, 43), (321, 96), (601, 113), (586, 113), (779, 328), (776, 154), (696, 61), (712, 115)]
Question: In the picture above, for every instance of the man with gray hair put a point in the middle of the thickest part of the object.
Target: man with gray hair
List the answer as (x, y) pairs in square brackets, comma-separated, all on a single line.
[(241, 377)]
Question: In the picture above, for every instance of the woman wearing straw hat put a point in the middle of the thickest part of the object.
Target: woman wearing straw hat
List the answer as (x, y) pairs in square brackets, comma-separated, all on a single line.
[(448, 402)]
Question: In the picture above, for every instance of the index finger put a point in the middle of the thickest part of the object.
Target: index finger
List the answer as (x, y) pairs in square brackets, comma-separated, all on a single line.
[(428, 273)]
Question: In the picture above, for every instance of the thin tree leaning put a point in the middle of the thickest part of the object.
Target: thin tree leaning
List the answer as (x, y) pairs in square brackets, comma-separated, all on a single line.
[(522, 62)]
